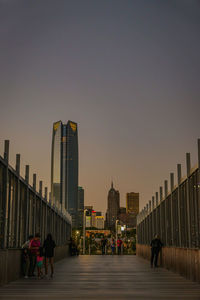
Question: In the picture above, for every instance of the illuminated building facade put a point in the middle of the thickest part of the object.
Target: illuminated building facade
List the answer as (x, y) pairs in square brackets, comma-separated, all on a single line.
[(93, 218), (132, 203), (99, 222), (113, 207), (64, 168)]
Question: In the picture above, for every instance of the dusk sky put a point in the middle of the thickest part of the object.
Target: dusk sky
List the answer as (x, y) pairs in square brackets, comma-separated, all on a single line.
[(128, 72)]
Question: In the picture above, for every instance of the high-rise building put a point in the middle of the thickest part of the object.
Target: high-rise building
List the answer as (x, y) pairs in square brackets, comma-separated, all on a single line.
[(88, 216), (132, 203), (113, 207), (64, 168), (99, 222), (80, 206), (93, 218)]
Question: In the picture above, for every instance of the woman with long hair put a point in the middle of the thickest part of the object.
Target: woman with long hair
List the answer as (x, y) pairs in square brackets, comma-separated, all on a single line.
[(49, 246)]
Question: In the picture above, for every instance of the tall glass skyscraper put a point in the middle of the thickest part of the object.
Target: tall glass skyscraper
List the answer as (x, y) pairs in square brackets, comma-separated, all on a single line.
[(64, 168)]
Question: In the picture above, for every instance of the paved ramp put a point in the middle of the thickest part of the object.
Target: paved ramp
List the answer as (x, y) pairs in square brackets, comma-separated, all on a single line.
[(104, 277)]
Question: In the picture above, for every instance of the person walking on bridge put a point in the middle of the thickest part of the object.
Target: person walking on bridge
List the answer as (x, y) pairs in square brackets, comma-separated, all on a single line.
[(156, 246), (119, 246)]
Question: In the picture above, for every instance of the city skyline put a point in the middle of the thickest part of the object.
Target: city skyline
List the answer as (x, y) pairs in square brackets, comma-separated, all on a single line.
[(127, 73), (100, 149)]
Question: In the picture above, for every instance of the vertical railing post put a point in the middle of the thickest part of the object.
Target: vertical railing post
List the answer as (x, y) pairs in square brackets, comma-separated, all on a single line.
[(156, 213), (34, 182), (6, 207), (17, 225), (188, 167), (153, 202), (171, 207), (45, 217), (147, 223), (166, 219), (143, 227), (179, 203), (198, 196), (156, 198), (161, 216), (34, 205), (41, 211), (17, 167), (45, 193), (150, 221), (27, 174), (50, 198), (141, 233), (27, 203), (166, 188), (40, 188), (153, 219)]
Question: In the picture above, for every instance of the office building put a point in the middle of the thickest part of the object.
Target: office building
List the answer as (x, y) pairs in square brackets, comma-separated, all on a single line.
[(93, 218), (132, 203), (113, 207), (64, 168), (99, 222), (88, 221)]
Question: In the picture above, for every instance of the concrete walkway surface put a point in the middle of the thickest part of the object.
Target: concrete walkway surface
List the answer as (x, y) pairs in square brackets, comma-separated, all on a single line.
[(104, 277)]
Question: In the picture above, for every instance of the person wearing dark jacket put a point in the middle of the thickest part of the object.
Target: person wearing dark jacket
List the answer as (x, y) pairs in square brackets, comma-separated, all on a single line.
[(49, 246), (103, 245), (156, 246)]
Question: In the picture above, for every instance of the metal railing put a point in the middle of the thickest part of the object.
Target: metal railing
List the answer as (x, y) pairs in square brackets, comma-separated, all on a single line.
[(24, 211), (176, 217)]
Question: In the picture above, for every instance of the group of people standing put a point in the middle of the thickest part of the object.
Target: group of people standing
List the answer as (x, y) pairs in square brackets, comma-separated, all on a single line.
[(35, 254), (104, 244)]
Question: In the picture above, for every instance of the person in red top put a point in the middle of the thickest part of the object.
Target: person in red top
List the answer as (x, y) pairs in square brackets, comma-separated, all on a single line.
[(34, 247), (119, 246)]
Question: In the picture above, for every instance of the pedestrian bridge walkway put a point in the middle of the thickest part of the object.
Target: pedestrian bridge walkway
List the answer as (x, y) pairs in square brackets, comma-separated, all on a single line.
[(104, 277)]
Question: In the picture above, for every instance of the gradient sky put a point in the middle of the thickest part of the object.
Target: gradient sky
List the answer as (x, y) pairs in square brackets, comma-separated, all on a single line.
[(127, 71)]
